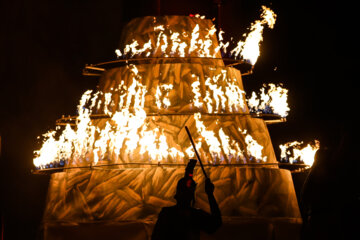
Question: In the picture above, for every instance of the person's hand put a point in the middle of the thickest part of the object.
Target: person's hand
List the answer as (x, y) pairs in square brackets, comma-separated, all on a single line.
[(209, 187)]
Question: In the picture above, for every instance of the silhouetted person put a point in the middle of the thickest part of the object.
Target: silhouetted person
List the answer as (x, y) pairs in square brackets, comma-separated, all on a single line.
[(183, 221), (328, 199), (348, 168), (317, 199)]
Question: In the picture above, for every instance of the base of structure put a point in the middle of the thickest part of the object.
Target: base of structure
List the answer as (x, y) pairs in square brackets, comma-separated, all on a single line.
[(138, 194), (245, 228)]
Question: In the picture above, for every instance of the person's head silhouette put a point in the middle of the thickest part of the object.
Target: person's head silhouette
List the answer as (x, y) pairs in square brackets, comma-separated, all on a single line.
[(185, 192), (185, 189)]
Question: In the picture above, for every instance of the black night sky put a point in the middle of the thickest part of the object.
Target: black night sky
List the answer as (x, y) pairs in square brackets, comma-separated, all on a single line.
[(45, 45)]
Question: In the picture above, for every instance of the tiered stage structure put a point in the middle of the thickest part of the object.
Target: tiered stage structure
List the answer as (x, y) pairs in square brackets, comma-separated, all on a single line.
[(116, 188)]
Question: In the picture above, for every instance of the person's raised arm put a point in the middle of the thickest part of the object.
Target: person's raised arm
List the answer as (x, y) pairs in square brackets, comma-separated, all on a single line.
[(214, 208)]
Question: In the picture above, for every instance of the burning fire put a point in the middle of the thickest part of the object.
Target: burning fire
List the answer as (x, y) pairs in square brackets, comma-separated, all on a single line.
[(274, 101), (249, 49), (294, 152), (129, 129), (130, 133), (176, 44)]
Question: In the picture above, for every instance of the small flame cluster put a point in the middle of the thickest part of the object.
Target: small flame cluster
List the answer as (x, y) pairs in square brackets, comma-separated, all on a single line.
[(296, 152), (274, 101), (174, 44)]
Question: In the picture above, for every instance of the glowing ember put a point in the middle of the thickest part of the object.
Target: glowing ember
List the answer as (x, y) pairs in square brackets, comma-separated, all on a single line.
[(295, 152)]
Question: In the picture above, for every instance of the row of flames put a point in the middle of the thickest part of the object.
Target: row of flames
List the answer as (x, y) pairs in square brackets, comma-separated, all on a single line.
[(171, 43), (128, 128), (271, 100)]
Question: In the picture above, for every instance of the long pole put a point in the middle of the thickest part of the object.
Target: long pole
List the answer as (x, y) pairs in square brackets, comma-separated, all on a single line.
[(196, 152), (2, 216)]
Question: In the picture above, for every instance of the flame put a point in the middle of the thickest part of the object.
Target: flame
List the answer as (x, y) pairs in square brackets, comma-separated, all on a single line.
[(160, 89), (196, 90), (190, 151), (199, 16), (293, 151), (218, 97), (268, 17), (223, 94), (118, 53), (153, 142), (194, 37), (253, 148), (274, 101), (209, 136), (231, 148), (235, 97), (174, 44), (250, 48), (126, 130), (130, 131), (221, 46), (48, 151)]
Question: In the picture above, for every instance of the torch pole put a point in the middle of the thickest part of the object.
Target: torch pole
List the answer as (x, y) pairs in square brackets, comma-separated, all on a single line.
[(196, 152)]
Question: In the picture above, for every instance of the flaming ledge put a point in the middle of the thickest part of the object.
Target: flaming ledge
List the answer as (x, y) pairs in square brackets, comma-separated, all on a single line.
[(97, 69)]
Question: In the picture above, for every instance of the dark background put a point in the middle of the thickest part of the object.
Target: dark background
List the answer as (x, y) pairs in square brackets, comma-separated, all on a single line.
[(45, 44)]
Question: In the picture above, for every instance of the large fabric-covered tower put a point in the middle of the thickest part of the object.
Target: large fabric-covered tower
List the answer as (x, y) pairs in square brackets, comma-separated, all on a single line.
[(128, 147)]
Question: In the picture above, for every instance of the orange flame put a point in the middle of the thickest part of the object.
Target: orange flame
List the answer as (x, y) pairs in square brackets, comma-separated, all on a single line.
[(128, 128), (294, 151), (274, 101)]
